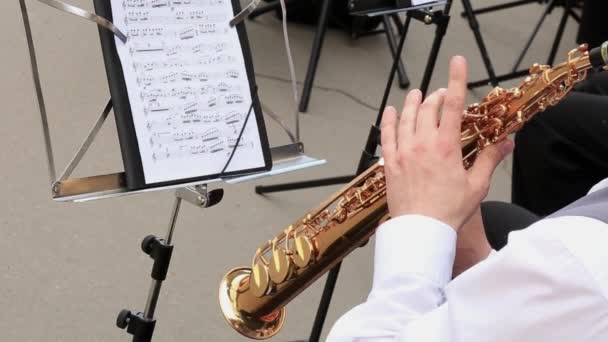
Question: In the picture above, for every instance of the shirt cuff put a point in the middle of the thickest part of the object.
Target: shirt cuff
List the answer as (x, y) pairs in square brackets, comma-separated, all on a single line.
[(415, 244)]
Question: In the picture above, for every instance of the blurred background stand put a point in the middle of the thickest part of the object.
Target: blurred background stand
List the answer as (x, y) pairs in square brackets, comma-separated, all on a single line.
[(358, 30), (568, 7), (428, 16)]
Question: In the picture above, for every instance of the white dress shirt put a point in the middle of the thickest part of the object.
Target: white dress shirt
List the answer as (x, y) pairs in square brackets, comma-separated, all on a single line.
[(550, 283)]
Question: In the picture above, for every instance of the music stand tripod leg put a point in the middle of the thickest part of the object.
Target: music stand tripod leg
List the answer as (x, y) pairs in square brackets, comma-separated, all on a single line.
[(556, 42), (474, 25), (315, 54), (442, 20), (404, 82), (523, 53), (560, 33), (265, 189), (499, 7)]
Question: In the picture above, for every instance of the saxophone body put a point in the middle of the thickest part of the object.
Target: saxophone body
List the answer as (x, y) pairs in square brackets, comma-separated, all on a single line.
[(253, 299)]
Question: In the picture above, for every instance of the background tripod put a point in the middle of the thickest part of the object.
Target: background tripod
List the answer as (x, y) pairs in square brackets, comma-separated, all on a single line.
[(315, 53), (568, 7), (439, 18)]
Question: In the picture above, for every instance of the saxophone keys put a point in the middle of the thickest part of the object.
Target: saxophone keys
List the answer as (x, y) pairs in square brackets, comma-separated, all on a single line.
[(280, 266), (304, 252), (259, 280)]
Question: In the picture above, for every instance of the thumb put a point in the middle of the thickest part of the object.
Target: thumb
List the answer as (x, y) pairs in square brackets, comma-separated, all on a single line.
[(486, 163)]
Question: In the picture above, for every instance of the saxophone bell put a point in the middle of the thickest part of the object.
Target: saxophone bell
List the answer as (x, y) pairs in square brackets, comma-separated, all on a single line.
[(258, 328)]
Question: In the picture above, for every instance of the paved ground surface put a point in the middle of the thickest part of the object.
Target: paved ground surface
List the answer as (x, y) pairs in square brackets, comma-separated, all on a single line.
[(66, 269)]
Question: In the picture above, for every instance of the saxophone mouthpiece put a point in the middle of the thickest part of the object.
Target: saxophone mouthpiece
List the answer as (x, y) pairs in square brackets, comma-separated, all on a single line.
[(599, 56)]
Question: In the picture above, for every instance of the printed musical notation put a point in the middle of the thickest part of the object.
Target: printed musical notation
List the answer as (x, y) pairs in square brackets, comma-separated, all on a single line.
[(188, 87)]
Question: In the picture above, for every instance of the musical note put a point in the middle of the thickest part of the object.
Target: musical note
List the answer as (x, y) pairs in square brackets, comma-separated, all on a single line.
[(187, 84)]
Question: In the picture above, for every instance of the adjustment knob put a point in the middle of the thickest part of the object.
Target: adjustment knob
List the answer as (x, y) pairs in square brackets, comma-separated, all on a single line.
[(146, 244), (122, 321)]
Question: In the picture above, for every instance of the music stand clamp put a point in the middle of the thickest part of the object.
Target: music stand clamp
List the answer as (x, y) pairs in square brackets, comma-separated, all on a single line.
[(141, 324)]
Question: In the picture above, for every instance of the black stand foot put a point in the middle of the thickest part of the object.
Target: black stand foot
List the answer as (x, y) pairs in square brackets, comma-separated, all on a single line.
[(261, 189)]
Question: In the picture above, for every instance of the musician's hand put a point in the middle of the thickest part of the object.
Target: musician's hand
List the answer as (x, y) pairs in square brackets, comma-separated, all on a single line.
[(472, 245), (423, 159)]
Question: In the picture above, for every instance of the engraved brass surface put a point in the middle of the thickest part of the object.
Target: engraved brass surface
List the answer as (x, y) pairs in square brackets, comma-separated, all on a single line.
[(286, 265)]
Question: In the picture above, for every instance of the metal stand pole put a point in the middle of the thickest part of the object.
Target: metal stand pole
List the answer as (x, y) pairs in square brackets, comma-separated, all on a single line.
[(141, 324), (523, 53), (315, 54), (404, 82), (560, 33), (442, 27), (157, 284), (474, 25), (38, 87)]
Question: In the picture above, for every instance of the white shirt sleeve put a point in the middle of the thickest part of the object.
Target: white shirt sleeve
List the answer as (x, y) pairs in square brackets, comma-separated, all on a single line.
[(550, 283), (415, 252)]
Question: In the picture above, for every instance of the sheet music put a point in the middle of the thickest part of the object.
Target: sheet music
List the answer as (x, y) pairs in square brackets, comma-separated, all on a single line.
[(188, 87)]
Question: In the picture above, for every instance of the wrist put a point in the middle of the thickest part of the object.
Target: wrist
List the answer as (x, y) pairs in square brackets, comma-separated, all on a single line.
[(444, 220), (421, 215)]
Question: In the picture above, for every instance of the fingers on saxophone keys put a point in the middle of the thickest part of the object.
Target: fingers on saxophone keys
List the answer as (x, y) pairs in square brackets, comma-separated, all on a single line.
[(428, 116), (407, 124), (455, 98), (388, 132)]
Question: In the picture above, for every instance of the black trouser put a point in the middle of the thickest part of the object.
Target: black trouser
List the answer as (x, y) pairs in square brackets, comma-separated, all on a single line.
[(563, 152), (593, 29)]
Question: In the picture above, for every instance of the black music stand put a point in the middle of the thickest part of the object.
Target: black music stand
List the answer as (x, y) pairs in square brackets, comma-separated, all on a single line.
[(317, 45), (441, 19), (64, 188), (493, 79)]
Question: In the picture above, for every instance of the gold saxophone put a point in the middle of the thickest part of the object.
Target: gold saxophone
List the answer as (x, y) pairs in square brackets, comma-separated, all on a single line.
[(253, 299)]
